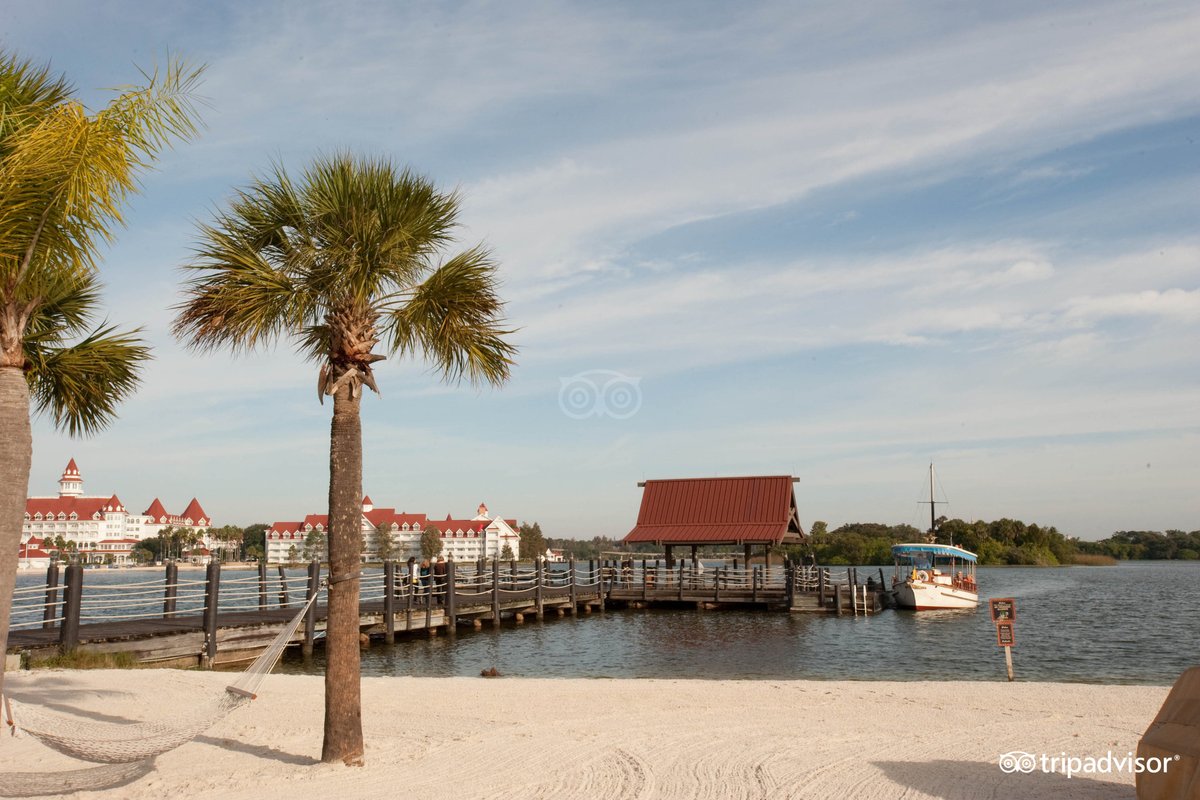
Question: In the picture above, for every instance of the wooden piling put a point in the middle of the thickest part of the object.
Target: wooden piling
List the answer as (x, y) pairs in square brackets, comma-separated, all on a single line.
[(754, 584), (68, 634), (212, 594), (310, 619), (262, 585), (574, 586), (451, 600), (496, 593), (820, 587), (283, 587), (171, 590), (389, 599), (539, 566), (837, 599), (408, 605), (50, 610)]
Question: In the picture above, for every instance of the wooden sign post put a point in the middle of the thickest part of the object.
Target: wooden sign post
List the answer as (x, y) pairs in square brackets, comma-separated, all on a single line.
[(1004, 615)]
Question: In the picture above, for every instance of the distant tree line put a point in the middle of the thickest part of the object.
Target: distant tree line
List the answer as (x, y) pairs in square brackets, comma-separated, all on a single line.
[(999, 542)]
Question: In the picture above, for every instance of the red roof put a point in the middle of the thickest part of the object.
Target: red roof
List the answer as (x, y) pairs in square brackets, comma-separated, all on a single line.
[(157, 512), (449, 524), (114, 504), (71, 473), (367, 500), (194, 512), (389, 516), (83, 507), (750, 510)]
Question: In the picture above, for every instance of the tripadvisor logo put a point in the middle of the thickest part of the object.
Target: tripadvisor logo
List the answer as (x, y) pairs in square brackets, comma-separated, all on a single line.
[(1019, 761)]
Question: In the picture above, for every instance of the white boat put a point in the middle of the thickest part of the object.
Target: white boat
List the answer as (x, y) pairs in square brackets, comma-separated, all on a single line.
[(933, 576)]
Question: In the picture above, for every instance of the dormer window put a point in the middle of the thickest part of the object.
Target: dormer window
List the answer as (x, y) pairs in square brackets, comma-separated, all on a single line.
[(37, 516)]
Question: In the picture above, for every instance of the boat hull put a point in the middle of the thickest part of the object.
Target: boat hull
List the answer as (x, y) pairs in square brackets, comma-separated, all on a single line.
[(920, 596)]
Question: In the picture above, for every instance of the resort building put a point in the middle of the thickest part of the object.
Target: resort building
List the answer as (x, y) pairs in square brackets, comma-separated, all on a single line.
[(101, 528), (462, 539)]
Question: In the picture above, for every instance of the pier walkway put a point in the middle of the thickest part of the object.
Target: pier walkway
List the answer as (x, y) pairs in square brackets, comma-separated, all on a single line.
[(229, 618)]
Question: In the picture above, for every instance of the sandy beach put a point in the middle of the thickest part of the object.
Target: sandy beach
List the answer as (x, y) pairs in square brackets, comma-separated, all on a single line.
[(558, 738)]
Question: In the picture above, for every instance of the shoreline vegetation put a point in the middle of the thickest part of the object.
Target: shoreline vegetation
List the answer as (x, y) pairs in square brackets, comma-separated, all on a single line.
[(1004, 542)]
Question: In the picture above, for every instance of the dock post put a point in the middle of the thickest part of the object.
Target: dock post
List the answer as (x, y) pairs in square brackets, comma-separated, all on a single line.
[(389, 599), (854, 576), (212, 590), (451, 600), (262, 586), (820, 587), (283, 593), (310, 619), (412, 590), (789, 582), (496, 593), (600, 584), (837, 599), (68, 635), (645, 581), (754, 585), (717, 585), (171, 591), (574, 586), (48, 613), (539, 565)]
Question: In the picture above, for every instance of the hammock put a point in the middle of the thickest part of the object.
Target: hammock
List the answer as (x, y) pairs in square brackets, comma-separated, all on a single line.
[(127, 743)]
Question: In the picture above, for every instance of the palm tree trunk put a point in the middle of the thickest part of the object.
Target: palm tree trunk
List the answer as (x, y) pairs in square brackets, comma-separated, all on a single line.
[(16, 454), (343, 696)]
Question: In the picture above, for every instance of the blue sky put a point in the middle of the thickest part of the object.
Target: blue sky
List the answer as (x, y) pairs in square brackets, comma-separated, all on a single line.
[(808, 239)]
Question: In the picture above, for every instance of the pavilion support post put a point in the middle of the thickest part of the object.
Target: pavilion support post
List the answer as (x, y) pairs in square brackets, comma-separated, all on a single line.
[(747, 553), (389, 599), (48, 613), (767, 557), (170, 590), (670, 557), (68, 634)]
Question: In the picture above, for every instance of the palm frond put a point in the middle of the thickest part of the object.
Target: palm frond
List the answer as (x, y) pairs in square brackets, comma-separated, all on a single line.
[(81, 385), (454, 319)]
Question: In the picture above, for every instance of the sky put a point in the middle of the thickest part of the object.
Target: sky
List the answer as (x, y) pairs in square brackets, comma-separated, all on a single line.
[(835, 241)]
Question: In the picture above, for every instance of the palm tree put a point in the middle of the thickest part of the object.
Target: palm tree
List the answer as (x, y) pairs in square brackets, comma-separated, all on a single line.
[(64, 177), (346, 259)]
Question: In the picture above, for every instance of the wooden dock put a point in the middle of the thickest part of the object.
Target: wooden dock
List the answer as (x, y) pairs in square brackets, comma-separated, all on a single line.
[(173, 621)]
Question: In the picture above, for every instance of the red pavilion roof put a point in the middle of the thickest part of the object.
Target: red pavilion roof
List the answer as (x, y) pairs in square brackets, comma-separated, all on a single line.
[(749, 510)]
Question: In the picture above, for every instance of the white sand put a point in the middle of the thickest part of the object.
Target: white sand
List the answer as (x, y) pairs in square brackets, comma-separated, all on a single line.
[(463, 738)]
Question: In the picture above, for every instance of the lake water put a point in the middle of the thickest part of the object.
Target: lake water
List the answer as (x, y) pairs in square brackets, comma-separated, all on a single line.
[(1138, 622)]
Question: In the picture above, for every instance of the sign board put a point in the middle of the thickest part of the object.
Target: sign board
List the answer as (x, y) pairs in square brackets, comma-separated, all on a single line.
[(1004, 609), (1005, 637)]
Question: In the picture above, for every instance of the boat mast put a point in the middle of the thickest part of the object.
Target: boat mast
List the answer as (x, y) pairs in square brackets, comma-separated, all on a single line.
[(933, 509)]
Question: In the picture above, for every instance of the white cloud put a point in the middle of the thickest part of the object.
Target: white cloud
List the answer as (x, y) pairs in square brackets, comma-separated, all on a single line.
[(1171, 303)]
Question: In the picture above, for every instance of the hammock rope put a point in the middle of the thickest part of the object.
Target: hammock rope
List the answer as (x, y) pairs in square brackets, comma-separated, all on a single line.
[(129, 743)]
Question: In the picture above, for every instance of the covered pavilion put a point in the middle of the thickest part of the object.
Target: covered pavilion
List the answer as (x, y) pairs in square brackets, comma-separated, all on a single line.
[(747, 511)]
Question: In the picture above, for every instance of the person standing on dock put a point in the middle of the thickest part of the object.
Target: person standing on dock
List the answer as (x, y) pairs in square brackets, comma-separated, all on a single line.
[(439, 579)]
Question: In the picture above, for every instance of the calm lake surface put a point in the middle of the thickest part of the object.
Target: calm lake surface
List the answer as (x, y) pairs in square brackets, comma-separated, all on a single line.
[(1138, 622)]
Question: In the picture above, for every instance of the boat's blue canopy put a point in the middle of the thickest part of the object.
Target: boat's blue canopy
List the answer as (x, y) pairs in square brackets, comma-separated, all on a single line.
[(929, 550)]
